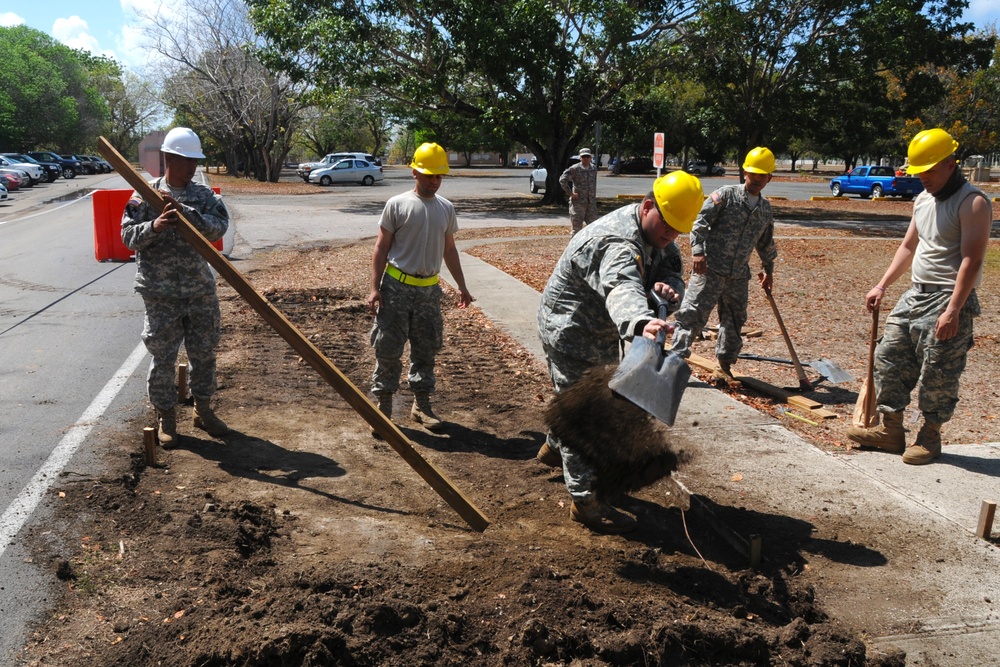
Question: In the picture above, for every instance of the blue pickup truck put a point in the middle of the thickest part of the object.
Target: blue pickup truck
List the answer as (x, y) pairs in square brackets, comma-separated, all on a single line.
[(876, 182)]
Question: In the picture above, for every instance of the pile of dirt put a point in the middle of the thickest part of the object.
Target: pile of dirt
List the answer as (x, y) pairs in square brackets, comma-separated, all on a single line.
[(301, 540)]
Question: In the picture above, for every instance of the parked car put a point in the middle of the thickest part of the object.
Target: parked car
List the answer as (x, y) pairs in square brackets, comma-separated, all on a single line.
[(10, 179), (523, 162), (634, 165), (34, 172), (70, 168), (51, 169), (876, 181), (702, 168), (331, 159), (536, 181), (87, 165), (3, 192), (102, 163), (348, 171)]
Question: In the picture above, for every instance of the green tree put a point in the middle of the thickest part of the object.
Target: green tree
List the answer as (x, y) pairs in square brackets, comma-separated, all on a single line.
[(539, 73), (766, 63), (46, 96)]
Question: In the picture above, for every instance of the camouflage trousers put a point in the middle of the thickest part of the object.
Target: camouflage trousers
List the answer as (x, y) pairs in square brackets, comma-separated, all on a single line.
[(909, 353), (582, 211), (705, 292), (409, 313), (565, 370), (197, 323)]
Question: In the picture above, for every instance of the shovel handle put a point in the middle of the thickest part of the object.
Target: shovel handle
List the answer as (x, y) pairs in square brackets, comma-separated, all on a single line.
[(799, 371), (662, 310)]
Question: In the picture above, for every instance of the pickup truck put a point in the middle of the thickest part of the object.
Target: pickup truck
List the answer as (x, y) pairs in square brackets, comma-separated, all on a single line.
[(876, 182)]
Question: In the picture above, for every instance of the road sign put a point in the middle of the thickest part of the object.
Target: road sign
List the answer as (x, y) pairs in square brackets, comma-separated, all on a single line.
[(658, 150)]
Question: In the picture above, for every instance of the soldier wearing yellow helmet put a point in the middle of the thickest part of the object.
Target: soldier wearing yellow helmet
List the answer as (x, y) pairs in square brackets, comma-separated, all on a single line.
[(416, 231), (597, 297), (734, 221), (928, 334)]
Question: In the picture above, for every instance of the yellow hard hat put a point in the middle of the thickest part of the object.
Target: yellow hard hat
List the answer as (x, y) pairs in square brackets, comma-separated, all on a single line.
[(678, 197), (759, 161), (430, 159), (928, 148)]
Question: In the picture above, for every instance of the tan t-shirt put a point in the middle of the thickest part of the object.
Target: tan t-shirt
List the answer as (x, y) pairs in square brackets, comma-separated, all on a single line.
[(419, 226), (939, 251)]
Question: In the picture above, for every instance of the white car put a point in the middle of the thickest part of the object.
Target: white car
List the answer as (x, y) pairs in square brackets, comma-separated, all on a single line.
[(3, 192), (304, 168), (36, 173), (348, 171)]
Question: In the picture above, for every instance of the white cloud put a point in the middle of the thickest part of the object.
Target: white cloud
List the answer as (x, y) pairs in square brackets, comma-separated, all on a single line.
[(75, 33), (9, 19)]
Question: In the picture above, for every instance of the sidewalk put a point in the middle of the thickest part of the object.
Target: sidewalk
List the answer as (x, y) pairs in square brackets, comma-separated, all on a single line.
[(949, 591)]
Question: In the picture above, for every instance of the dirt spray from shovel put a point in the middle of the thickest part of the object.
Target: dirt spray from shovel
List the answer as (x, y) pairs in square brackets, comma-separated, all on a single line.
[(614, 416)]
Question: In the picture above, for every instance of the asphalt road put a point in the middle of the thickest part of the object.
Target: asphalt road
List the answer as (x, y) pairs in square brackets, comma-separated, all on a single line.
[(68, 325)]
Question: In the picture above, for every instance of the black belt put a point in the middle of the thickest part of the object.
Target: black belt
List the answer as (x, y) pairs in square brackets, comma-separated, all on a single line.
[(926, 288)]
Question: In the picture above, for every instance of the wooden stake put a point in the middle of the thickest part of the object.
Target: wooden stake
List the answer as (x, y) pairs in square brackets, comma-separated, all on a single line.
[(149, 444), (182, 383), (309, 352), (755, 550), (986, 512)]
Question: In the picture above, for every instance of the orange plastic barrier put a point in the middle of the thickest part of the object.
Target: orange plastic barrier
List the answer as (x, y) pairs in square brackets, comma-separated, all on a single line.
[(109, 206)]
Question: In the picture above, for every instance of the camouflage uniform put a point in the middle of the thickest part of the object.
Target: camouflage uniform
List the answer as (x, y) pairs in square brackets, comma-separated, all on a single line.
[(583, 181), (726, 231), (909, 351), (596, 298), (409, 313), (178, 290)]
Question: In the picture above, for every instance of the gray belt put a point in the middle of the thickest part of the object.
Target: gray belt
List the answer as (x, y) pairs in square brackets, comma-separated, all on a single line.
[(925, 288)]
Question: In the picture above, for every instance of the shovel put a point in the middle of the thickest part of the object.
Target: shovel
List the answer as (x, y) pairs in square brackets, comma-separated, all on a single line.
[(651, 378), (804, 384), (866, 409), (828, 369)]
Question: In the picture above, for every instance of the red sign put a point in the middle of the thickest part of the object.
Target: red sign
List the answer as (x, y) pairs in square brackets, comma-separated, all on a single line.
[(658, 150)]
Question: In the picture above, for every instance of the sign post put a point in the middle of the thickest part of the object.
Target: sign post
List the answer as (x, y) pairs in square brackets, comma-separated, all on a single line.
[(658, 152)]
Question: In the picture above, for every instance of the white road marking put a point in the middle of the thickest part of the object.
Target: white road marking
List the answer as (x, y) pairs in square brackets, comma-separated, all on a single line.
[(18, 512)]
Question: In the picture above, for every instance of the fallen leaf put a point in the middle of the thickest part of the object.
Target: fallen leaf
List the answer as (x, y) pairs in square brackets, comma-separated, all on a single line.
[(736, 478)]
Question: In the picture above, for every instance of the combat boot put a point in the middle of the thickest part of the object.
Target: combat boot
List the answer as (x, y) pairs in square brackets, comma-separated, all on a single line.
[(384, 401), (422, 413), (926, 447), (889, 436), (549, 456), (601, 517), (166, 427), (724, 373), (206, 419)]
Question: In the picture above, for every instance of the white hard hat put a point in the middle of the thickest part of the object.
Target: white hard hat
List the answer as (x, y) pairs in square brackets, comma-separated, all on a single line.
[(182, 141)]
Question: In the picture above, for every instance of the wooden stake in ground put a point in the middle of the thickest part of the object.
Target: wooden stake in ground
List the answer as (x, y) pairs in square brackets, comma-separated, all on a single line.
[(866, 409), (327, 370), (149, 445)]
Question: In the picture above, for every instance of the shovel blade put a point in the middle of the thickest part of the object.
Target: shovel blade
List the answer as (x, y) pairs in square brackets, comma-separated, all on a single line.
[(652, 379), (831, 371)]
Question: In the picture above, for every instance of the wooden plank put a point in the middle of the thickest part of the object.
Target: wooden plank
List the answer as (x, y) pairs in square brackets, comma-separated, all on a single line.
[(803, 402), (309, 352), (703, 363), (986, 512), (764, 388)]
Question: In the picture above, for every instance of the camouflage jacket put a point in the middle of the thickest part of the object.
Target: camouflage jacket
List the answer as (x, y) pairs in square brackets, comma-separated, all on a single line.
[(580, 179), (167, 266), (597, 293), (727, 231)]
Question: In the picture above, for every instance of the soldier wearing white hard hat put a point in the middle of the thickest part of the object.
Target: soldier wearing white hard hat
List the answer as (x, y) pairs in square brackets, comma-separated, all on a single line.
[(177, 286)]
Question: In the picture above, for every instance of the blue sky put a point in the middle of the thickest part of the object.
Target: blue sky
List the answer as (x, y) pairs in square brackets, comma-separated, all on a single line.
[(111, 28)]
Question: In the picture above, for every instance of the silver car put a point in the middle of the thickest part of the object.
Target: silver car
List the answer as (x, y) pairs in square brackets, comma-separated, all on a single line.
[(35, 172), (348, 171)]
